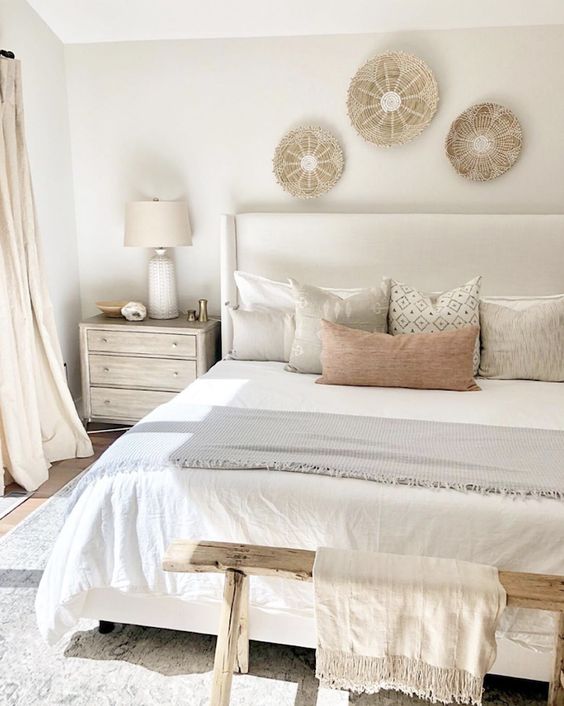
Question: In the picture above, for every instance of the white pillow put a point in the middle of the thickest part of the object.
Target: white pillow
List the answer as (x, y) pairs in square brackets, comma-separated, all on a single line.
[(522, 303), (261, 334), (260, 292)]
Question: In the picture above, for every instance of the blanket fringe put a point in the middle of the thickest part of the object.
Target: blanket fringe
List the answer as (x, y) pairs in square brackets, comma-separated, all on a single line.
[(135, 465), (362, 674)]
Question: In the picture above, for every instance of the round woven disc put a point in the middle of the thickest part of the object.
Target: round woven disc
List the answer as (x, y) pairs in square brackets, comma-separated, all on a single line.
[(308, 162), (392, 98), (484, 141)]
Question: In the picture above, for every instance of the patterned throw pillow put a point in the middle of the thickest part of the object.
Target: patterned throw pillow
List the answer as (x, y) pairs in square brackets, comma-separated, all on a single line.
[(412, 311), (367, 310)]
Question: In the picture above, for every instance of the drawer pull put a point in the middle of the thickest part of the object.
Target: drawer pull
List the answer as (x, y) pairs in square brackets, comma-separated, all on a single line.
[(104, 340), (106, 401), (175, 375), (106, 370), (175, 345)]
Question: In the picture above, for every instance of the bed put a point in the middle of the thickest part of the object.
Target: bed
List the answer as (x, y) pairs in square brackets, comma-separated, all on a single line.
[(106, 562)]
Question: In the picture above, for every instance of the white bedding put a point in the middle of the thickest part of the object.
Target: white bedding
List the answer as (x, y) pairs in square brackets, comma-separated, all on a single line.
[(117, 533)]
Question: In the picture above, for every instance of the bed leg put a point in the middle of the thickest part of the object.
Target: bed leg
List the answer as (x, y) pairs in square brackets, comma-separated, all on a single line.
[(556, 690), (243, 639), (105, 627), (227, 638)]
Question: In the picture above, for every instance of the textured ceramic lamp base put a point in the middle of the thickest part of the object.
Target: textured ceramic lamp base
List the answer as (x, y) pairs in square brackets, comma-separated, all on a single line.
[(163, 300)]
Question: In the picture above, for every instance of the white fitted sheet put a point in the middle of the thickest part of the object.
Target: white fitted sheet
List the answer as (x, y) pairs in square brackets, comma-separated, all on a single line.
[(116, 534)]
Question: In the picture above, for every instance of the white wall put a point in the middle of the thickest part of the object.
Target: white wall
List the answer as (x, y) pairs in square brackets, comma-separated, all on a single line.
[(201, 118), (46, 118)]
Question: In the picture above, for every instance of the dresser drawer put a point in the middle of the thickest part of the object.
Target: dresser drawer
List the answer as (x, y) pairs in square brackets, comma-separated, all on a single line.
[(153, 373), (130, 405), (180, 345)]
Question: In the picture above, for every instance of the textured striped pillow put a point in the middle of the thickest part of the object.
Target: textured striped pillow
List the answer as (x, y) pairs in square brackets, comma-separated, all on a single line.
[(522, 345)]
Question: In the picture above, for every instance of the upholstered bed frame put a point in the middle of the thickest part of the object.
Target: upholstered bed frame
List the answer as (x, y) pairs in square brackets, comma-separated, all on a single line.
[(516, 254)]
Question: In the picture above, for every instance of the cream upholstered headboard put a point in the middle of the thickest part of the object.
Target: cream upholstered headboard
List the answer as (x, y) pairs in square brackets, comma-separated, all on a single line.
[(516, 254)]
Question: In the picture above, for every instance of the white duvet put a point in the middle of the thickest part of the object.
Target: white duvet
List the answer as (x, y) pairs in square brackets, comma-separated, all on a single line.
[(118, 530)]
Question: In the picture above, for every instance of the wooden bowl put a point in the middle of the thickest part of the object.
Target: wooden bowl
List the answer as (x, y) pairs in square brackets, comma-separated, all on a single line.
[(111, 309)]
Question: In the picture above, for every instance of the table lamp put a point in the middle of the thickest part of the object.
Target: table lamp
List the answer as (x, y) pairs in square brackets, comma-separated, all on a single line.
[(159, 225)]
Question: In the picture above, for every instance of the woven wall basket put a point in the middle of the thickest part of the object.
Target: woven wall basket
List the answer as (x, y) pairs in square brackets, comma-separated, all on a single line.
[(308, 162), (484, 141), (392, 98)]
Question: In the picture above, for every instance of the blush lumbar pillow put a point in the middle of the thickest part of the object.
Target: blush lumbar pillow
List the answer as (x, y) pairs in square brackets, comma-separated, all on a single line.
[(526, 344), (413, 311), (367, 309), (428, 361), (261, 334)]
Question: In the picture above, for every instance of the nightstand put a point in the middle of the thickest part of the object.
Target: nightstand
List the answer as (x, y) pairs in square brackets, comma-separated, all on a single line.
[(131, 367)]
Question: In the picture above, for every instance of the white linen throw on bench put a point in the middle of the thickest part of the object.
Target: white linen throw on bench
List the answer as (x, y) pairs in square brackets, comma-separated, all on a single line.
[(419, 625)]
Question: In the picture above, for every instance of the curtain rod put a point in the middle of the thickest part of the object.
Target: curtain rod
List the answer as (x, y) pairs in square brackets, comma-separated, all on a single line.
[(7, 54)]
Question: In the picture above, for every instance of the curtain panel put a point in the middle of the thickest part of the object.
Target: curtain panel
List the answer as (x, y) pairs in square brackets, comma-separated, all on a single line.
[(38, 421)]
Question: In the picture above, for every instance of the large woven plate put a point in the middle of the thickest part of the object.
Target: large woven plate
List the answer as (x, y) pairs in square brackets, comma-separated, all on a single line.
[(392, 98), (308, 162), (484, 141)]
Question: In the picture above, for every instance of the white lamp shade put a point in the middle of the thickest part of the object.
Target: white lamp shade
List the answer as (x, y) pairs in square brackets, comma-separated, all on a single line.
[(157, 224)]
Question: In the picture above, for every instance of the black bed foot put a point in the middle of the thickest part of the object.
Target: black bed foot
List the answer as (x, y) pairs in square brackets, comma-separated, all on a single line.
[(105, 627)]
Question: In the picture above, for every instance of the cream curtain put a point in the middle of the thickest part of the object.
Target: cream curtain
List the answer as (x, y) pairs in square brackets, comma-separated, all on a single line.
[(38, 421)]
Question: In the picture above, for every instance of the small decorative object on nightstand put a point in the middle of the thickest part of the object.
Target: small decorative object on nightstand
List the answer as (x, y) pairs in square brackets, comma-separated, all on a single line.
[(202, 310), (134, 311), (160, 225), (129, 368)]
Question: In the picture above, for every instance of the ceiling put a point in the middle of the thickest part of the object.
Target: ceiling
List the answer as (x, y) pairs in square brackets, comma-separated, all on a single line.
[(84, 21)]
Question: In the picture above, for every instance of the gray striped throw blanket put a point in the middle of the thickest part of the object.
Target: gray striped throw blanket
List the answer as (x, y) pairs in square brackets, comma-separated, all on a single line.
[(468, 457)]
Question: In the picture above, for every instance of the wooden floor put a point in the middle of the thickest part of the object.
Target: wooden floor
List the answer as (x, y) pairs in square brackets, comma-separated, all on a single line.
[(60, 474)]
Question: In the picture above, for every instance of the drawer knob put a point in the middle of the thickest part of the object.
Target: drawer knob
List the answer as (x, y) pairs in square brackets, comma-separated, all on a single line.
[(175, 375), (106, 370), (106, 401), (175, 345), (104, 340)]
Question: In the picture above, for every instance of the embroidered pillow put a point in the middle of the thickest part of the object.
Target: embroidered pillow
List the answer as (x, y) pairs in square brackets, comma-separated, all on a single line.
[(424, 361), (525, 344), (413, 311), (368, 310)]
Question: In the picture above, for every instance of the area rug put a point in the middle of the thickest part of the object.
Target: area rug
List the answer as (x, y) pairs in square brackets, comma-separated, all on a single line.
[(136, 666), (10, 502)]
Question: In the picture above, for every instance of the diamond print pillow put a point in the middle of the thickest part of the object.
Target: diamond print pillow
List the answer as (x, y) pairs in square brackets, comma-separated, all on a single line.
[(412, 311)]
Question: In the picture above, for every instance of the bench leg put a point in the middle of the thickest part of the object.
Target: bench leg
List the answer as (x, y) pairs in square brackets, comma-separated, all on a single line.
[(243, 639), (227, 638), (556, 690)]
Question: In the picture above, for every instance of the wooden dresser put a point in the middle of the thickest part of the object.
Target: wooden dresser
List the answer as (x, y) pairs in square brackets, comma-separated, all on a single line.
[(129, 368)]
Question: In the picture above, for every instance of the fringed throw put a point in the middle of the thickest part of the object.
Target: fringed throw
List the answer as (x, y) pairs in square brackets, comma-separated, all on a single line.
[(467, 457), (419, 625)]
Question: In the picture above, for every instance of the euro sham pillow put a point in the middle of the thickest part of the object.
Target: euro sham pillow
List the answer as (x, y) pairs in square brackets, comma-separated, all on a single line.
[(426, 361), (413, 311), (367, 309), (261, 334), (526, 344), (260, 292)]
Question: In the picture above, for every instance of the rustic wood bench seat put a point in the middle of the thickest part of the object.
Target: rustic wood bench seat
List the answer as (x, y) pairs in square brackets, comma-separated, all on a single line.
[(239, 561)]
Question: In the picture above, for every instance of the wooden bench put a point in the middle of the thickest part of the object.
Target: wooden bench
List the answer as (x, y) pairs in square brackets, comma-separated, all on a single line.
[(239, 561)]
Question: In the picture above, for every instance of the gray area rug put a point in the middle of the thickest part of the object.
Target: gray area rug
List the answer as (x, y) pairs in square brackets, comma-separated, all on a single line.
[(11, 501), (136, 666)]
